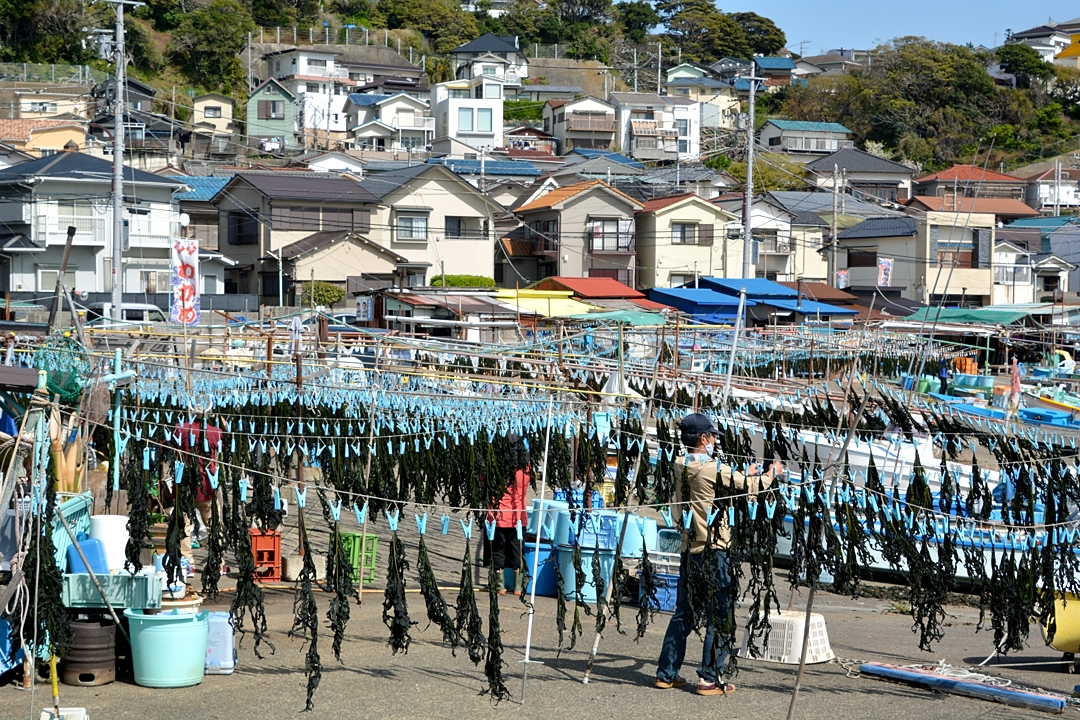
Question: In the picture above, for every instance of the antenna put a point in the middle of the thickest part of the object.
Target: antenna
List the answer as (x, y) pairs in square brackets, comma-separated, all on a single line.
[(802, 46)]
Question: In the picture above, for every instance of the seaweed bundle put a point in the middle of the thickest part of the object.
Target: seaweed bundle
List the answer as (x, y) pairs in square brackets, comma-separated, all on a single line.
[(395, 613), (306, 616), (493, 663), (338, 581), (467, 623), (437, 610)]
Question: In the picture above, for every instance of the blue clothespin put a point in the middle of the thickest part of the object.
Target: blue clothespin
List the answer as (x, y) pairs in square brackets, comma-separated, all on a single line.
[(687, 518), (666, 514), (770, 508), (421, 523), (335, 510), (445, 523), (361, 513), (146, 458), (520, 533), (466, 529), (213, 476), (730, 516), (243, 490), (277, 498), (178, 471), (393, 519)]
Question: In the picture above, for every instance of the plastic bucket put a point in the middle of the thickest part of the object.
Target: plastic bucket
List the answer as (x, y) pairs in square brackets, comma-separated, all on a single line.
[(112, 531), (986, 381), (633, 540), (168, 649), (923, 385), (546, 583), (566, 566)]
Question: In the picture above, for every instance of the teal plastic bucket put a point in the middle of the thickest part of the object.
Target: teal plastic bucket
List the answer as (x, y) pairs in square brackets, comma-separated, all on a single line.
[(168, 649), (566, 567)]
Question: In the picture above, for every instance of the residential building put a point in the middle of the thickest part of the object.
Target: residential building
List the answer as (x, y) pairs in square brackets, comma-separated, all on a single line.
[(527, 137), (698, 179), (940, 257), (801, 137), (728, 68), (414, 87), (600, 291), (138, 96), (1048, 189), (40, 199), (336, 255), (680, 237), (10, 156), (1060, 236), (380, 69), (271, 117), (719, 103), (196, 202), (484, 171), (772, 303), (790, 243), (1070, 56), (214, 112), (43, 137), (687, 116), (470, 111), (646, 126), (1004, 209), (540, 93), (822, 293), (824, 64), (586, 122), (1014, 281), (399, 123), (36, 101), (965, 181), (337, 161), (492, 56), (152, 141), (777, 71), (262, 212), (319, 88), (1048, 40), (863, 175), (432, 216), (581, 230)]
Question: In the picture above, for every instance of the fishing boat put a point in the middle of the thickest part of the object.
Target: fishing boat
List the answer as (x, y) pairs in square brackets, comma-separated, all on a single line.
[(1042, 417), (1052, 398)]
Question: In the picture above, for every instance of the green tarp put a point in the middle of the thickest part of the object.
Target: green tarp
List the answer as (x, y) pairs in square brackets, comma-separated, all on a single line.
[(965, 316), (626, 317)]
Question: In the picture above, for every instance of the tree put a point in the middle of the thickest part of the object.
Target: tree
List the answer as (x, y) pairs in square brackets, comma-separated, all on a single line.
[(1025, 63), (703, 33), (582, 11), (442, 22), (464, 281), (636, 18), (326, 294), (206, 42), (764, 36), (772, 171)]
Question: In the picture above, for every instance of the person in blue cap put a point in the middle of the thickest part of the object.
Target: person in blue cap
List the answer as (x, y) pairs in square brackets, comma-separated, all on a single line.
[(698, 436)]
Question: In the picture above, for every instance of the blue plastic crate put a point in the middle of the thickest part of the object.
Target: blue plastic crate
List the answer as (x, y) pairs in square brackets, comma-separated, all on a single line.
[(579, 498), (667, 591), (597, 532)]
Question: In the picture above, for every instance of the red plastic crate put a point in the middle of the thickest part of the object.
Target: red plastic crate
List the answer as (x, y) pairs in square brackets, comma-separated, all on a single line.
[(266, 548)]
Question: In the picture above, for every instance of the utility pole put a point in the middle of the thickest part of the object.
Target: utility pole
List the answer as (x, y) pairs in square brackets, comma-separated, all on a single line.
[(1057, 188), (834, 225), (635, 70), (659, 65), (748, 237), (118, 163)]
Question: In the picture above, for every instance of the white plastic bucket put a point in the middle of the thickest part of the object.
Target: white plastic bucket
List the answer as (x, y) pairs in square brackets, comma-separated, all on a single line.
[(111, 530)]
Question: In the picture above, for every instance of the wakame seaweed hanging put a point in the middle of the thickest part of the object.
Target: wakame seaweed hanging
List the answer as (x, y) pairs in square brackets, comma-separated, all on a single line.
[(493, 663), (395, 606), (467, 623)]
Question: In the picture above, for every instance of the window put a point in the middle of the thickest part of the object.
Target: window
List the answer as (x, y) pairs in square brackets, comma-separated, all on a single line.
[(210, 285), (645, 143), (682, 91), (678, 280), (611, 235), (74, 208), (243, 229), (492, 91), (683, 127), (311, 87), (212, 111), (134, 104), (47, 279), (455, 227), (963, 258), (312, 62), (641, 115), (271, 109), (39, 107), (295, 218), (483, 120), (465, 119), (489, 70), (154, 281), (862, 258), (412, 227), (684, 146), (683, 234), (459, 94), (106, 273)]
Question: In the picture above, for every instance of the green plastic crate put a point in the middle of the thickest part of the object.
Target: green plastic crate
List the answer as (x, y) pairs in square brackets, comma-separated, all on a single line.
[(351, 543), (124, 590)]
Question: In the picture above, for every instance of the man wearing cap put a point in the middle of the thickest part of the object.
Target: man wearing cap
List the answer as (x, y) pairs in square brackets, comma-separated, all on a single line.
[(698, 434)]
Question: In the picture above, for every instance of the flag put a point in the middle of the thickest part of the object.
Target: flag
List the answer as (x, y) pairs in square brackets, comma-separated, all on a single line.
[(186, 308), (884, 272), (842, 280)]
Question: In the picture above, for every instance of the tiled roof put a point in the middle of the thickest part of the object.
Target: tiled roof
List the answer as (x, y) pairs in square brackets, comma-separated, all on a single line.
[(855, 160), (516, 248), (601, 166), (992, 206), (17, 130), (77, 166), (631, 98), (774, 63), (808, 219), (593, 288), (820, 291), (699, 82), (203, 188), (608, 155), (880, 228), (662, 202), (300, 187), (968, 173), (1071, 174), (806, 126), (540, 155), (557, 103), (562, 194), (565, 89), (488, 43), (491, 167)]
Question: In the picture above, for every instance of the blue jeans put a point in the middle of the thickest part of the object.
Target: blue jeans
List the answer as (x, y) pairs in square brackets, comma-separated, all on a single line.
[(679, 628)]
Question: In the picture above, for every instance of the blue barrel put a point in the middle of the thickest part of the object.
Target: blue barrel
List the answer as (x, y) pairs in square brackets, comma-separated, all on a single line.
[(546, 582), (168, 649), (94, 550)]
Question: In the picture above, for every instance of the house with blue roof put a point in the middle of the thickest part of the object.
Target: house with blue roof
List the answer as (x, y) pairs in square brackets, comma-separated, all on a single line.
[(802, 137), (777, 71), (395, 123), (202, 214), (770, 303), (704, 304)]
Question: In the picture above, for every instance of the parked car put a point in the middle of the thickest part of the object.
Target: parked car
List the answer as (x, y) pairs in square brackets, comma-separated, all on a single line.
[(133, 313)]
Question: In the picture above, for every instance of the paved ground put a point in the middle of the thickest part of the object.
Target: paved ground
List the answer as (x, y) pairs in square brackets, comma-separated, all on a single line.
[(429, 683)]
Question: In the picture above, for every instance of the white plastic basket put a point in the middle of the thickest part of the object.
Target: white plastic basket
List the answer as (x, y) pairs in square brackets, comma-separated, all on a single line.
[(786, 639)]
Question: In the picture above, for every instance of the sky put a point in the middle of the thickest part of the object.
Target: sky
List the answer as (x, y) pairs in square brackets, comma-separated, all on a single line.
[(830, 24)]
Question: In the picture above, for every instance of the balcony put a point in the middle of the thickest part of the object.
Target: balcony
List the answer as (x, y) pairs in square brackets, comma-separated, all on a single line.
[(413, 122), (544, 246), (590, 123), (612, 243), (812, 144), (775, 246), (1012, 274), (654, 154), (89, 230)]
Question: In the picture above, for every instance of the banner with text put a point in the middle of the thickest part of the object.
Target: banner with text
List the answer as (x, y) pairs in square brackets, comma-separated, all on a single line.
[(186, 308), (884, 272)]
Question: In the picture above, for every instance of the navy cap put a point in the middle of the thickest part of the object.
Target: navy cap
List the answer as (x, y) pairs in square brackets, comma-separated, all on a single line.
[(698, 424)]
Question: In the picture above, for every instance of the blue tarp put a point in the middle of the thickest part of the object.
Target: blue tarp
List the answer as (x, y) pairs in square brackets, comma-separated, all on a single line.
[(756, 288), (810, 307)]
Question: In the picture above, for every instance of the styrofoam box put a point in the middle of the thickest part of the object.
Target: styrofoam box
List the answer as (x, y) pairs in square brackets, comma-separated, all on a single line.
[(65, 714)]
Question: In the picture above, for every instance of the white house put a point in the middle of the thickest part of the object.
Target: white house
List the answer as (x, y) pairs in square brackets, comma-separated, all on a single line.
[(320, 87), (803, 137), (718, 99), (389, 122), (1046, 187), (687, 116), (586, 122), (41, 199), (470, 111), (495, 56), (335, 161), (645, 126)]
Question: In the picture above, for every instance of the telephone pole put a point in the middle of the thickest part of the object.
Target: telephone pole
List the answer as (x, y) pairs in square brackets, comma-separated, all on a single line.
[(635, 69), (748, 237)]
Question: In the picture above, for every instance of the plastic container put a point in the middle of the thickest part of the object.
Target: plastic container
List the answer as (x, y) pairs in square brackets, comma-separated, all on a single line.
[(666, 563), (168, 649), (923, 385), (986, 381), (667, 587), (220, 645), (547, 584), (579, 498), (364, 565), (668, 540), (786, 639), (112, 531), (94, 551), (77, 512), (598, 531), (266, 547), (566, 566), (551, 512), (632, 538), (123, 590)]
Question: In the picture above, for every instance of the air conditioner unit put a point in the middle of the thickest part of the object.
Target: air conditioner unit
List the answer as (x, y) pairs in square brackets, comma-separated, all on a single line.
[(782, 246)]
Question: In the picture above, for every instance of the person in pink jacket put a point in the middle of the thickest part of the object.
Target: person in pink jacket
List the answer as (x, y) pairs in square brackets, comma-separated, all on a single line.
[(505, 548)]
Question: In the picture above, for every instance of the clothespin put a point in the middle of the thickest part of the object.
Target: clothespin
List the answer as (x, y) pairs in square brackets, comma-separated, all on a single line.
[(393, 519), (467, 529), (361, 513), (335, 510), (445, 523), (146, 458), (243, 490), (770, 508), (212, 477), (687, 518), (730, 516), (277, 498), (178, 471), (421, 523), (520, 533), (666, 514)]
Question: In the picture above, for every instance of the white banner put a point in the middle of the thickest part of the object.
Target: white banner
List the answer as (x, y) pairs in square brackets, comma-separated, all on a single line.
[(186, 308)]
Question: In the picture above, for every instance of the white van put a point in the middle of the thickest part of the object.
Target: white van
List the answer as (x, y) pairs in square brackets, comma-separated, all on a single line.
[(134, 313)]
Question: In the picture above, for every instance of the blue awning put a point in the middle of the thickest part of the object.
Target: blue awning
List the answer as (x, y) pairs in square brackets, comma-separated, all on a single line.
[(808, 307)]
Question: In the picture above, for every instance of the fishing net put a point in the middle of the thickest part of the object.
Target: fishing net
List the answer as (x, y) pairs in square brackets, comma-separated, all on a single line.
[(67, 366)]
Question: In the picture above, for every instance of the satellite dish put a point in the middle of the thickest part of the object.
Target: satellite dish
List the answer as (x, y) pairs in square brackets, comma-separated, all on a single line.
[(185, 219)]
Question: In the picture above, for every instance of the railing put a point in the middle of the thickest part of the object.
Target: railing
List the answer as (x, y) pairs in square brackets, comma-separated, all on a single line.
[(544, 246), (654, 154), (89, 230), (43, 73), (406, 122), (590, 123), (612, 243), (775, 246), (811, 144), (1012, 274)]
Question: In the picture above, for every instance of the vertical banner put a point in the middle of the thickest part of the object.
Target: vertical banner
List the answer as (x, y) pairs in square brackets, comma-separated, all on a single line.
[(186, 308), (842, 280), (884, 272)]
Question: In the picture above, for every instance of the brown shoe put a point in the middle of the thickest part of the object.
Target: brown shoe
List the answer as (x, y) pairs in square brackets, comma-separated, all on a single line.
[(714, 689), (678, 682)]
